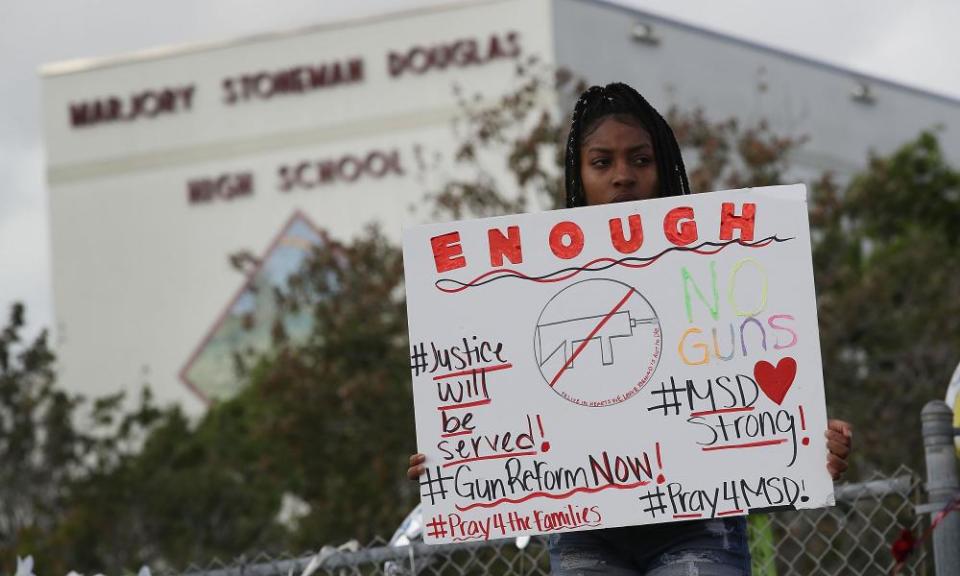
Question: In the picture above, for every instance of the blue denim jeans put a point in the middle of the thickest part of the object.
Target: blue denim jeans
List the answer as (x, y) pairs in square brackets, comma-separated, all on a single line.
[(715, 547)]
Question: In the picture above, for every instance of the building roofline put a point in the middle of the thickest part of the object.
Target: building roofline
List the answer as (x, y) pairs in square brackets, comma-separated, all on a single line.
[(955, 101), (79, 65)]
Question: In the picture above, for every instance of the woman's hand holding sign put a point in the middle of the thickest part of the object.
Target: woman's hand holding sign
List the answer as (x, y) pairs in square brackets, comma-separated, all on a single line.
[(839, 436), (416, 466)]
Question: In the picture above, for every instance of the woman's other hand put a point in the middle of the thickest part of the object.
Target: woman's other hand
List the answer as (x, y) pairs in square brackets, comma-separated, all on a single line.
[(839, 436), (416, 466)]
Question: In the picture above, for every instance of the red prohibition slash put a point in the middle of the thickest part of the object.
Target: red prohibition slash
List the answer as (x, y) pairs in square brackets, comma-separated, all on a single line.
[(590, 336), (471, 371), (747, 445), (560, 496)]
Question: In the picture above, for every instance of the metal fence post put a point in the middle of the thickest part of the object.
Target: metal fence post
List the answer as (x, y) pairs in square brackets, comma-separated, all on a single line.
[(942, 484)]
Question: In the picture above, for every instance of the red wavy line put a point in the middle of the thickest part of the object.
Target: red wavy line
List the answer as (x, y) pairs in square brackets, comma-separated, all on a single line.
[(490, 457), (560, 496), (471, 371), (509, 272), (723, 411), (746, 445)]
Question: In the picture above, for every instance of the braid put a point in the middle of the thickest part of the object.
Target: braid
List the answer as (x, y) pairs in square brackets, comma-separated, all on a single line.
[(618, 99)]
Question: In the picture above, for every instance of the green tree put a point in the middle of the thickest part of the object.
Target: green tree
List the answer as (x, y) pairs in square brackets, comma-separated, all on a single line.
[(516, 136), (888, 275), (39, 446), (46, 454), (329, 419)]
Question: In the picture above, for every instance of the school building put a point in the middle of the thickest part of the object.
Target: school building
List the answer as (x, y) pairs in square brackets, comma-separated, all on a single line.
[(162, 164)]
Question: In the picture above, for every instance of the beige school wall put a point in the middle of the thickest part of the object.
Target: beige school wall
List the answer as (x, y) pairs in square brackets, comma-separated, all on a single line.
[(141, 273)]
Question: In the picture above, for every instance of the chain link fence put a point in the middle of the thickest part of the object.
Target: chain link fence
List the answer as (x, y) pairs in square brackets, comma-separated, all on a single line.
[(853, 537)]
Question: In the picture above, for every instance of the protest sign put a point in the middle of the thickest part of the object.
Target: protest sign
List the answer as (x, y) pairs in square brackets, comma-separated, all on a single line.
[(632, 363)]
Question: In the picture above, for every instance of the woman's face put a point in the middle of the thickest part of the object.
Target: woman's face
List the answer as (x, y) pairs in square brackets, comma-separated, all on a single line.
[(617, 163)]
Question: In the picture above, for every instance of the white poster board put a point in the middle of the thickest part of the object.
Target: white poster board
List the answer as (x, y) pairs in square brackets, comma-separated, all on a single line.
[(631, 363)]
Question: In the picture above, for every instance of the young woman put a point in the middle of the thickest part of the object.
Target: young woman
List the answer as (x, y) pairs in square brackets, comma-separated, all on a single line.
[(620, 148)]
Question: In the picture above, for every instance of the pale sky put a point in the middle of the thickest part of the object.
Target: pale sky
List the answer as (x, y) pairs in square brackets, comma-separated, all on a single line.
[(911, 43)]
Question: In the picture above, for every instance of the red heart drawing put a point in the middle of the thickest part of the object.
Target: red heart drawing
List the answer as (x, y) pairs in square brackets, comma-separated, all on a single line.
[(775, 382)]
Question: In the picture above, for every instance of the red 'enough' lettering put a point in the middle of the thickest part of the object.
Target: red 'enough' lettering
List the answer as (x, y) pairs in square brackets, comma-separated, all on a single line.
[(679, 226), (447, 252), (744, 222), (505, 245), (618, 236), (566, 240)]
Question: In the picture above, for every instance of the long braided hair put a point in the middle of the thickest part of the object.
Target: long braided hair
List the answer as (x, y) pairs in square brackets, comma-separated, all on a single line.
[(618, 99)]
